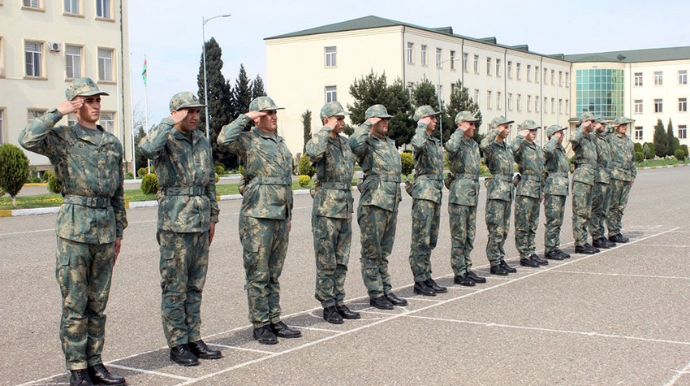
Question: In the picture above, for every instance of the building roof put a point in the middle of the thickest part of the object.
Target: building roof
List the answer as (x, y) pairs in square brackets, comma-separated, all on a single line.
[(633, 56)]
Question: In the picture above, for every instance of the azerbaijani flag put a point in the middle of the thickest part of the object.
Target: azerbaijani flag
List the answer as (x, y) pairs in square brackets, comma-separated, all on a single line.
[(144, 73)]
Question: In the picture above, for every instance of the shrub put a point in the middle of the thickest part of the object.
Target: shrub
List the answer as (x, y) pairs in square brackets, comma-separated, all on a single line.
[(407, 163), (305, 167), (149, 184), (639, 156), (685, 149), (54, 185), (652, 151), (14, 170), (217, 178), (142, 172), (220, 169), (2, 193), (304, 180), (241, 169), (638, 147), (679, 154), (129, 176), (46, 175)]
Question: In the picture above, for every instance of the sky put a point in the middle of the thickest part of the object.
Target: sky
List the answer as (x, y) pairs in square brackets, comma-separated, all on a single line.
[(169, 32)]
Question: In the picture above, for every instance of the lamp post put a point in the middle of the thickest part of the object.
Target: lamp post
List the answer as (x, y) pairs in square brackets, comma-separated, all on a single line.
[(438, 95), (203, 36)]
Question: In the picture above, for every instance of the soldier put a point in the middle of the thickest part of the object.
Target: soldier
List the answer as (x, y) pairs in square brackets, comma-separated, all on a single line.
[(331, 217), (623, 176), (88, 162), (499, 159), (463, 183), (377, 213), (265, 215), (187, 217), (426, 200), (601, 194), (555, 191), (585, 161), (528, 195)]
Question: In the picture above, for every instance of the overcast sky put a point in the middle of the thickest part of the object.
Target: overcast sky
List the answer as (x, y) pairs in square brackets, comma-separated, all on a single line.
[(169, 32)]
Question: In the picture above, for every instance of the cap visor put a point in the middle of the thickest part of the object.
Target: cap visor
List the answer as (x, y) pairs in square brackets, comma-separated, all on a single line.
[(92, 93)]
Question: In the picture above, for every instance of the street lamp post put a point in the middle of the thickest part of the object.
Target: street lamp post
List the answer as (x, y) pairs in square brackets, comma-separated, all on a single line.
[(203, 36), (438, 95)]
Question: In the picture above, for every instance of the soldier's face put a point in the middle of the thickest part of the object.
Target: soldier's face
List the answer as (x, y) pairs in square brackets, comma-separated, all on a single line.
[(600, 127), (469, 128), (504, 131), (189, 122), (622, 129), (268, 122), (532, 135), (432, 123), (381, 127), (339, 123), (90, 111), (589, 125)]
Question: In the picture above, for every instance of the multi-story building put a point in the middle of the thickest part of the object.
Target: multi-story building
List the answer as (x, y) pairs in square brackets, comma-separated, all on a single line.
[(44, 45)]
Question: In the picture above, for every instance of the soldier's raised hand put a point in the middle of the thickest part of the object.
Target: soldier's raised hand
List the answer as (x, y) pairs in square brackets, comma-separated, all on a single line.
[(255, 114), (332, 122), (373, 120), (523, 133), (425, 120), (179, 115), (68, 107)]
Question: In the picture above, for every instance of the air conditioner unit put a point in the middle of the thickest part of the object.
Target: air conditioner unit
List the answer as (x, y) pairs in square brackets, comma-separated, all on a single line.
[(55, 47)]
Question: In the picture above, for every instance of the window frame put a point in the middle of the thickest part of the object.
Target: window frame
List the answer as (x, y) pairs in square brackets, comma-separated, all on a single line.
[(683, 105), (106, 7), (638, 132), (410, 53), (41, 60), (638, 106), (638, 80), (682, 132), (658, 105), (111, 72), (330, 57), (682, 77), (658, 78), (330, 93), (79, 61), (423, 55), (476, 64)]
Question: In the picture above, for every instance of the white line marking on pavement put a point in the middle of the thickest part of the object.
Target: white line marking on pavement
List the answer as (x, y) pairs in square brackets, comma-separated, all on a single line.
[(624, 275), (665, 246), (242, 348), (679, 374), (318, 329), (180, 377), (26, 232)]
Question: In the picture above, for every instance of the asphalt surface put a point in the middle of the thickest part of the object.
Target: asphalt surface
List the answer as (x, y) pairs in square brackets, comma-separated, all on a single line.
[(620, 317)]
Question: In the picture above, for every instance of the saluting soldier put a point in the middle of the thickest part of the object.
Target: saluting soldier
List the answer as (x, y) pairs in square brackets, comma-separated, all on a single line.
[(623, 177), (601, 195), (555, 192), (585, 161)]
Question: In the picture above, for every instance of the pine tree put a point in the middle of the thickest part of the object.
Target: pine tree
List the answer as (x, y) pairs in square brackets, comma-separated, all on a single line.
[(672, 143), (258, 87), (241, 93), (424, 93), (14, 170), (660, 144), (306, 125), (460, 100)]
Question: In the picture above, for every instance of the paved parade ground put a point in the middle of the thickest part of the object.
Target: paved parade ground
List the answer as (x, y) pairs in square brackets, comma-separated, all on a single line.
[(620, 317)]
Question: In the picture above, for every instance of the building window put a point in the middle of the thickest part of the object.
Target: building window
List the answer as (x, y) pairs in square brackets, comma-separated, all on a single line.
[(560, 78), (517, 70), (34, 113), (2, 126), (2, 58), (553, 77), (410, 87), (638, 106), (499, 100), (72, 62), (546, 106), (536, 104), (33, 53), (105, 64), (107, 120), (498, 68), (553, 105), (545, 73), (682, 132), (489, 100), (536, 74), (331, 53), (567, 111), (683, 105), (567, 79), (682, 77), (465, 58), (488, 66), (72, 6), (510, 70), (32, 3), (423, 55), (510, 101), (529, 103), (103, 8), (476, 64), (439, 90), (476, 95), (529, 73), (560, 106), (600, 91), (410, 53), (518, 102), (658, 78), (452, 61), (438, 57), (331, 94), (638, 133), (638, 79), (658, 106)]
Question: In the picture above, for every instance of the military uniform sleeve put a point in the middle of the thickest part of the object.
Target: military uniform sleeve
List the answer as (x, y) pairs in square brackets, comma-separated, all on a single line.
[(358, 140), (316, 147), (118, 203), (579, 134), (487, 141), (211, 191), (419, 140), (152, 145), (550, 147), (633, 168), (517, 147), (34, 137), (453, 144), (231, 136)]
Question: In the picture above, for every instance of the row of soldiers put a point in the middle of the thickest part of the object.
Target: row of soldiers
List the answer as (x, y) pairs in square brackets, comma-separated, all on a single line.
[(90, 225)]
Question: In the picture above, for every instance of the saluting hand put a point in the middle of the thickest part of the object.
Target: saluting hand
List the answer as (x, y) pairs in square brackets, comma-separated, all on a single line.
[(255, 114), (68, 107), (523, 133), (178, 115), (425, 120), (373, 120)]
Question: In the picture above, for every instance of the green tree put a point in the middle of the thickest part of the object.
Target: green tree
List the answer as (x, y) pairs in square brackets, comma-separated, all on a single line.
[(672, 142), (424, 93), (660, 143), (14, 170), (407, 162), (460, 100), (348, 130), (219, 107), (241, 92), (306, 126), (368, 90), (258, 87), (305, 168)]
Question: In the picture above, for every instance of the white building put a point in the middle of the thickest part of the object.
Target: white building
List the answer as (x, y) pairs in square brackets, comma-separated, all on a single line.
[(44, 44)]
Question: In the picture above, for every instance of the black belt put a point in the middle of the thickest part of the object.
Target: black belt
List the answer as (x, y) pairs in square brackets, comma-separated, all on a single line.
[(91, 202), (383, 177), (335, 185), (272, 180), (184, 190)]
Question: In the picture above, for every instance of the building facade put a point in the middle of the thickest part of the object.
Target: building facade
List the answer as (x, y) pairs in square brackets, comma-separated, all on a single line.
[(44, 45)]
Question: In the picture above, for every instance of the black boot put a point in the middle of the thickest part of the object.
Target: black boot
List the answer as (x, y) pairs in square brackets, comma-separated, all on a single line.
[(553, 255), (182, 355), (101, 376), (498, 270), (80, 378), (477, 279), (601, 243), (586, 249), (508, 268), (618, 238), (331, 315), (381, 303), (283, 331), (464, 280), (528, 262), (437, 288), (346, 313), (420, 288), (563, 254), (395, 300), (265, 335), (201, 350)]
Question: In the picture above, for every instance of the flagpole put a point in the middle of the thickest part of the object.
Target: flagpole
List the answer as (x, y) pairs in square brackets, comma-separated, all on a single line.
[(131, 98), (146, 104)]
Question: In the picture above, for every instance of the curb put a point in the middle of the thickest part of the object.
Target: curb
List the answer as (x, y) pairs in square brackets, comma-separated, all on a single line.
[(661, 167)]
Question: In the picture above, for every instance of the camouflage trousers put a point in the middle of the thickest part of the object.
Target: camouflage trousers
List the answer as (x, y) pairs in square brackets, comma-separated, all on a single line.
[(619, 200), (264, 244), (463, 226), (526, 223), (498, 225), (426, 216), (183, 265), (332, 237), (601, 200), (83, 272), (582, 211), (377, 228), (554, 209)]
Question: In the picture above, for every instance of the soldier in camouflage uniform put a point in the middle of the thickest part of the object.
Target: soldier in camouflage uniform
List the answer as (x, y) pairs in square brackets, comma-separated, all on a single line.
[(498, 156), (187, 217), (555, 191), (601, 195), (623, 176), (88, 162), (465, 166), (377, 213), (331, 217), (530, 160), (265, 215), (585, 161), (426, 200)]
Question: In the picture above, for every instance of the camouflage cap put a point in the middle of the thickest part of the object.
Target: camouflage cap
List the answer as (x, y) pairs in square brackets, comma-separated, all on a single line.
[(263, 103), (83, 87), (553, 129), (529, 125), (183, 100), (621, 121), (587, 117), (465, 116), (424, 111), (333, 109), (498, 121), (378, 111), (599, 119)]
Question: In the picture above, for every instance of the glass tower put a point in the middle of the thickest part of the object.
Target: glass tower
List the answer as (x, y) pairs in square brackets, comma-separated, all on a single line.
[(600, 91)]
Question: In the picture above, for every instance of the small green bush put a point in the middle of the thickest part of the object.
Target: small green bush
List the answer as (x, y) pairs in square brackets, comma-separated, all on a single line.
[(305, 167), (14, 169), (304, 180), (639, 156), (142, 172), (217, 178), (638, 147), (652, 151), (407, 163), (149, 184), (241, 170), (129, 176), (685, 150), (54, 185), (46, 175), (220, 169), (679, 154)]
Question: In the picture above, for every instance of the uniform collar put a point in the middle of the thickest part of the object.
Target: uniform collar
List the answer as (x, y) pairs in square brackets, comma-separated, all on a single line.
[(274, 136), (94, 136)]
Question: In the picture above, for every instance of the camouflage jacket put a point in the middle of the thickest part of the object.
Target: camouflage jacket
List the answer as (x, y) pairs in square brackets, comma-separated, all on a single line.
[(530, 160), (334, 163), (603, 157), (268, 170), (465, 165), (88, 162), (380, 162), (557, 168), (428, 165), (499, 159), (585, 156), (622, 157), (180, 163)]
